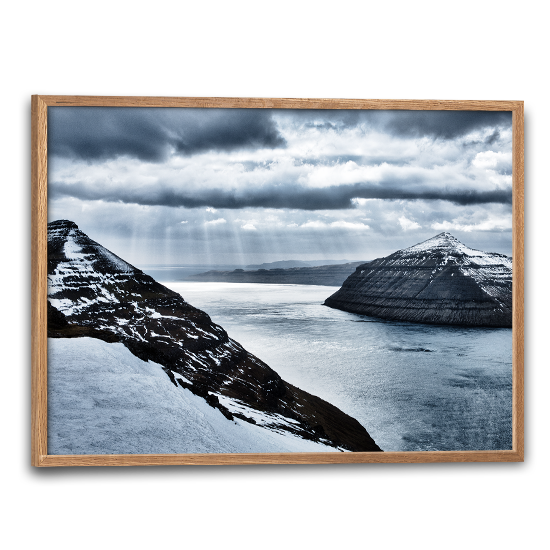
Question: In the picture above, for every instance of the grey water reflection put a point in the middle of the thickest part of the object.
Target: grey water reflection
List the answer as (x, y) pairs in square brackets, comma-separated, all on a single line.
[(414, 387)]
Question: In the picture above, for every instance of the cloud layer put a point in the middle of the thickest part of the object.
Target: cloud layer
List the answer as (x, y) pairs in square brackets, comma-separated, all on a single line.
[(335, 197), (94, 133), (269, 184)]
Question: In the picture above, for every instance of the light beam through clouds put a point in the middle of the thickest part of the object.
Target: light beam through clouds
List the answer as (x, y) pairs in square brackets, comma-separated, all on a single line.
[(245, 186)]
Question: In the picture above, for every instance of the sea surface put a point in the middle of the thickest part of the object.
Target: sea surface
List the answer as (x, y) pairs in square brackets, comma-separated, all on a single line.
[(413, 387)]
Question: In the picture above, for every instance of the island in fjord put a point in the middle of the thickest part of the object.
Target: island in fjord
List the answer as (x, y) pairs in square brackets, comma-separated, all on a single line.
[(438, 281)]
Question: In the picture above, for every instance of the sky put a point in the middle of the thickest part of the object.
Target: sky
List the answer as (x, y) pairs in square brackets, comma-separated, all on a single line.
[(238, 186)]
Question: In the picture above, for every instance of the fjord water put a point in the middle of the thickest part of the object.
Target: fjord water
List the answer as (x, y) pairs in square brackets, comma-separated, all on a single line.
[(414, 387)]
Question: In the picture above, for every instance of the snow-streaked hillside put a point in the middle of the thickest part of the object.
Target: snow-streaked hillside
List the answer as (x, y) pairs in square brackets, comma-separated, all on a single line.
[(102, 399), (94, 293)]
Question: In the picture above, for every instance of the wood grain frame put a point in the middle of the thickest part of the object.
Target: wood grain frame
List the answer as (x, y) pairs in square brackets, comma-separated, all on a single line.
[(39, 173)]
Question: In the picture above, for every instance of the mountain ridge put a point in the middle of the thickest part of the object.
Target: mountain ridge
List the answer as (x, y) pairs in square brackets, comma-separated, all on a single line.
[(326, 275), (284, 264), (92, 292)]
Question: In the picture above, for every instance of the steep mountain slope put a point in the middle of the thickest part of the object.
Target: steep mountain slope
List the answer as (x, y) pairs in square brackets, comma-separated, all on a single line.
[(439, 281), (326, 275), (102, 399), (98, 294)]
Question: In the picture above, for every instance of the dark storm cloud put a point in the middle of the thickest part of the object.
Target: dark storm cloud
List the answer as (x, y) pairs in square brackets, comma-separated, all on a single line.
[(493, 138), (433, 124), (445, 124), (92, 133), (98, 133), (280, 196), (228, 129)]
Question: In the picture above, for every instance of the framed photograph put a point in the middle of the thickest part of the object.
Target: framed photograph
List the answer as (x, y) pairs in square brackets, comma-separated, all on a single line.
[(276, 281)]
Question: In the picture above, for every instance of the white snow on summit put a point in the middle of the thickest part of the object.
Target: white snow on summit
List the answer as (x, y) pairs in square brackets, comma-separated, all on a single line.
[(447, 243), (81, 265), (73, 250), (488, 269)]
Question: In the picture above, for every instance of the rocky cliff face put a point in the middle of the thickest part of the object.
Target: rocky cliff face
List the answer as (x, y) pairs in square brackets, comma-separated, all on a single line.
[(92, 292), (325, 275), (439, 281)]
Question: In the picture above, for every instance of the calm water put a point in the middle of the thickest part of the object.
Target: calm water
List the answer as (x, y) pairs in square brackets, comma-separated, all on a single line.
[(414, 387)]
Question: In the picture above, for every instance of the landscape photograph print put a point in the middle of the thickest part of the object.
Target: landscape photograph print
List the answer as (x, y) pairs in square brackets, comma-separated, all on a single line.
[(277, 280)]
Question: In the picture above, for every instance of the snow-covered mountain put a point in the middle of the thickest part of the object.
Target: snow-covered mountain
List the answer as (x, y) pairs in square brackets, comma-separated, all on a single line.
[(94, 293), (437, 281)]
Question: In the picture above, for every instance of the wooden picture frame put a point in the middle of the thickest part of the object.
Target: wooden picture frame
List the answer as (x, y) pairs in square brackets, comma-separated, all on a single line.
[(39, 428)]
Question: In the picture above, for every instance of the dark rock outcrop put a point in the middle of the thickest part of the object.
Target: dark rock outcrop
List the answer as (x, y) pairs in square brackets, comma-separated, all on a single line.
[(439, 281), (93, 292), (325, 275)]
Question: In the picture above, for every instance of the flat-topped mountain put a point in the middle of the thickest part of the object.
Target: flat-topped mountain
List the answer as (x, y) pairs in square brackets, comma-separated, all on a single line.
[(325, 275), (93, 293), (439, 281)]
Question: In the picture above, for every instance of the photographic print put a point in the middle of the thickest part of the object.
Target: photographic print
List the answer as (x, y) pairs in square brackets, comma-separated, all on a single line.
[(280, 280)]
